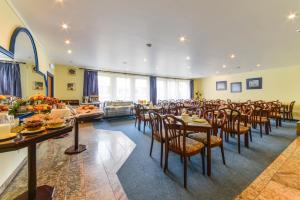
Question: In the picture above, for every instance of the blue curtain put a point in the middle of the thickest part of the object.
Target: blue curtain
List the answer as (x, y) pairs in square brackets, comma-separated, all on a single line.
[(192, 88), (153, 90), (90, 85), (10, 79)]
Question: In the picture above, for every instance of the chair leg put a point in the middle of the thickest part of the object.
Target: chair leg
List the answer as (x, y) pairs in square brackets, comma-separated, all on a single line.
[(144, 126), (250, 133), (222, 152), (185, 171), (139, 124), (166, 159), (203, 160), (239, 143), (151, 146), (161, 153)]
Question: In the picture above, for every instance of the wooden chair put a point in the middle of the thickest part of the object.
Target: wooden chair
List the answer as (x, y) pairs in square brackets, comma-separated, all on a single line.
[(178, 142), (235, 126), (157, 132), (217, 120), (141, 116), (260, 116), (288, 111), (275, 113)]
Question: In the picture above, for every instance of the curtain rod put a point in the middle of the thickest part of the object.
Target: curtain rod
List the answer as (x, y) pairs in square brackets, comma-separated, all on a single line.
[(127, 73), (11, 61)]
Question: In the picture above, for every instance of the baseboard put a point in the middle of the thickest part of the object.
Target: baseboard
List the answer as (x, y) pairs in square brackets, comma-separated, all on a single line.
[(13, 175)]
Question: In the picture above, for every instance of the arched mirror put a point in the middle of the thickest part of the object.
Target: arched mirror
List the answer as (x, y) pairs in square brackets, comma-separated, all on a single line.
[(32, 82), (20, 67)]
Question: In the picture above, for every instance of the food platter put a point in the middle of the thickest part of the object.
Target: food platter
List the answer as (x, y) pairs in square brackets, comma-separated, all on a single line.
[(7, 136), (32, 132)]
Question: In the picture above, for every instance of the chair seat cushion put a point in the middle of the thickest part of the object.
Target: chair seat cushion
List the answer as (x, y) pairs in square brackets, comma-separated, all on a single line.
[(202, 137), (191, 146)]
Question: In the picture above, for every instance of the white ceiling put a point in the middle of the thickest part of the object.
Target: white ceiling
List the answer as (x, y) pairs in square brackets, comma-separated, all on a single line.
[(106, 33)]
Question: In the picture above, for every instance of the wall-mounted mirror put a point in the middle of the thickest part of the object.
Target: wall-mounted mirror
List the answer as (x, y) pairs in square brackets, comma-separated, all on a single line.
[(31, 81), (19, 65)]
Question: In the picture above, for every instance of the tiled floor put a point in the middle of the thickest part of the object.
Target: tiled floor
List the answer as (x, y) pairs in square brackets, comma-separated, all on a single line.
[(89, 175), (280, 181)]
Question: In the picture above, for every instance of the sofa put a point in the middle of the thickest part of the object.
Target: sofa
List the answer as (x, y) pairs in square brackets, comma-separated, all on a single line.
[(117, 108)]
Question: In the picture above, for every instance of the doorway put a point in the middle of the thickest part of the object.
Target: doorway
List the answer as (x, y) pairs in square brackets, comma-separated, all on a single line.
[(50, 83)]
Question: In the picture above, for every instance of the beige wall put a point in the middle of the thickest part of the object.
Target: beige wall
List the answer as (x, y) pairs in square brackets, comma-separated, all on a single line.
[(28, 76), (9, 21), (278, 84), (62, 77)]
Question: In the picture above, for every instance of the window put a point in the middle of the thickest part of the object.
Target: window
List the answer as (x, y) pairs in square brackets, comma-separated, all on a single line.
[(117, 86), (172, 89)]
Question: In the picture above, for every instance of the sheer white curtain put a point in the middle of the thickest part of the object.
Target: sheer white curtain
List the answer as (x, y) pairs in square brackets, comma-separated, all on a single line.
[(172, 89), (117, 86)]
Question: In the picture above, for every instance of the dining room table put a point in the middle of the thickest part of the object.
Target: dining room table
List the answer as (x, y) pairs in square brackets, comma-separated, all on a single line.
[(79, 117), (22, 140)]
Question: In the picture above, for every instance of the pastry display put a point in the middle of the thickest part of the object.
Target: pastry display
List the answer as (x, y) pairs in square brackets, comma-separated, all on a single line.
[(33, 123), (55, 123)]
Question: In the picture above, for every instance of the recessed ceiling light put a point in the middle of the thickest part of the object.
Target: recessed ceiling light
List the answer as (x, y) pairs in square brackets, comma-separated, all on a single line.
[(224, 66), (145, 60), (156, 68), (232, 56), (67, 41), (291, 16), (188, 58), (188, 67), (298, 30), (59, 1), (69, 51), (258, 65), (65, 26), (217, 72), (182, 39)]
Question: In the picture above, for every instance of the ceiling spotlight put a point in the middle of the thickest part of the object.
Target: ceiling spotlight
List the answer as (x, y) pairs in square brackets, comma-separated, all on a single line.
[(258, 65), (217, 72), (291, 16), (182, 39), (69, 51), (65, 26), (188, 58), (188, 67), (145, 60), (67, 42), (224, 66), (232, 56)]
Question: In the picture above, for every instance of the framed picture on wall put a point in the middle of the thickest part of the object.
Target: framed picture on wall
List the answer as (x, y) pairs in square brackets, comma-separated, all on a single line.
[(71, 86), (236, 87), (221, 85), (254, 83), (38, 85)]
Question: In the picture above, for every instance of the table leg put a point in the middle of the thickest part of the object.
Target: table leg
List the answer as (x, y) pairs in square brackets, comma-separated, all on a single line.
[(208, 154), (76, 148), (44, 192)]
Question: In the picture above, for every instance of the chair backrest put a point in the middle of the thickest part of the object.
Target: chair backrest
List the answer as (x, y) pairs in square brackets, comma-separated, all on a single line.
[(291, 107), (216, 118), (258, 113), (156, 123), (175, 132), (233, 120)]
